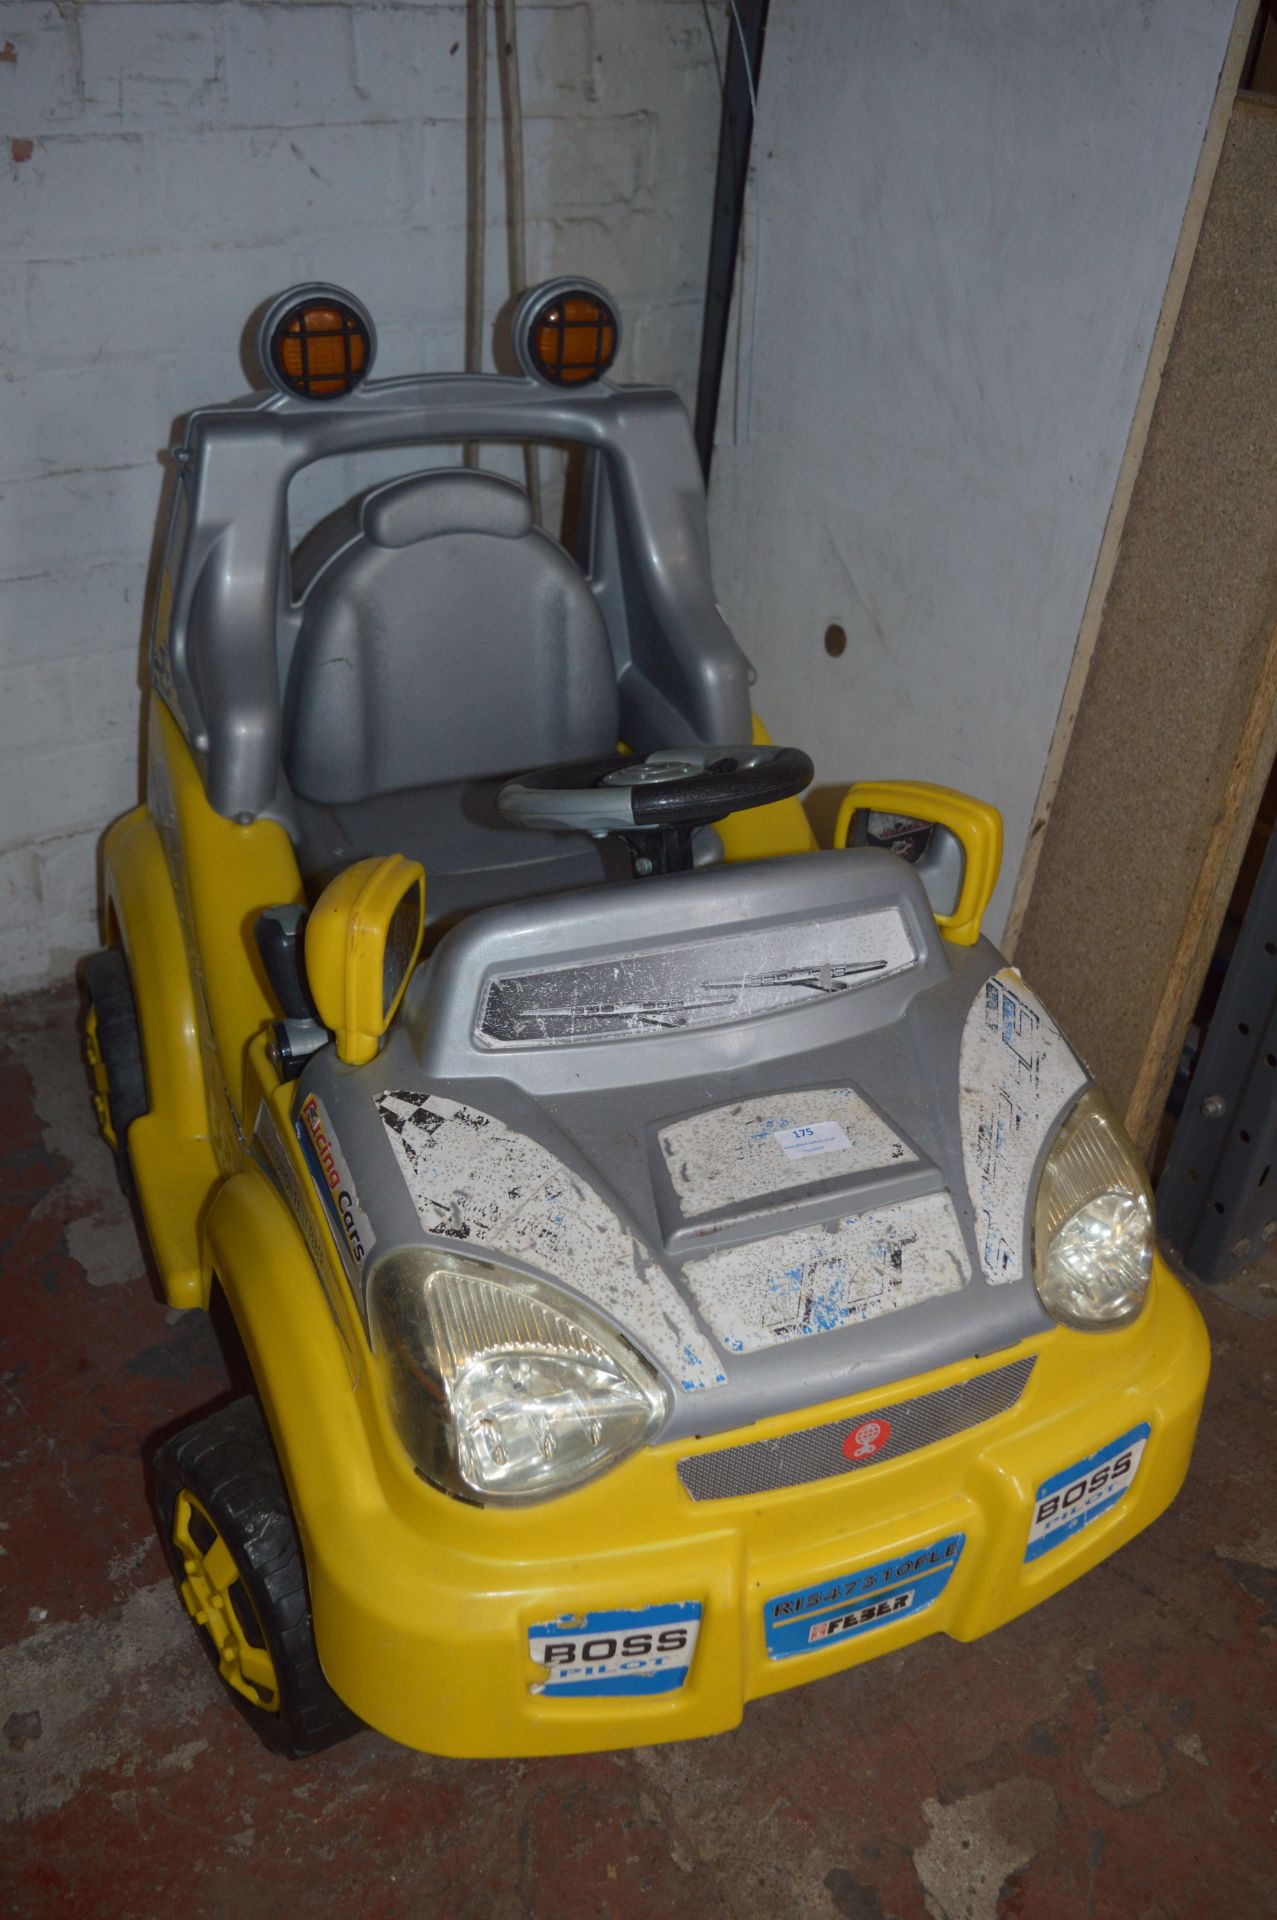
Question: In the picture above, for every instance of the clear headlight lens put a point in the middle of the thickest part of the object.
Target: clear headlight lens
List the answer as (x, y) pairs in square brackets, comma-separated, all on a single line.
[(502, 1388), (1093, 1221)]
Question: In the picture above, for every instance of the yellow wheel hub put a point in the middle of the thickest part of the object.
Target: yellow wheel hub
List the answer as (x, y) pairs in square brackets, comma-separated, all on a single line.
[(97, 1067), (210, 1578)]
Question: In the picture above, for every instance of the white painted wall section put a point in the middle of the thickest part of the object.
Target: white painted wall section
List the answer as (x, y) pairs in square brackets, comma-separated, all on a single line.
[(168, 167), (963, 220)]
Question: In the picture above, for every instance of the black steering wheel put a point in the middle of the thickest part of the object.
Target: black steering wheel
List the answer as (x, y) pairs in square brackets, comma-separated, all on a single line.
[(655, 804)]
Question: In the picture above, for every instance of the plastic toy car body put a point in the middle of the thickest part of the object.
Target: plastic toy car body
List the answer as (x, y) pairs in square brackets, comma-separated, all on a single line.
[(703, 1271)]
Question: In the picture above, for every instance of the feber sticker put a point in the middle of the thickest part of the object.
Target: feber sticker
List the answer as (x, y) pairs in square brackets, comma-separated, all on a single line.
[(1070, 1500), (802, 1143), (623, 1651), (855, 1603), (351, 1226)]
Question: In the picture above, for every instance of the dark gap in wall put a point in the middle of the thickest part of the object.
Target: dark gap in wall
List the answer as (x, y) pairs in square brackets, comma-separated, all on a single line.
[(1259, 71), (1264, 828)]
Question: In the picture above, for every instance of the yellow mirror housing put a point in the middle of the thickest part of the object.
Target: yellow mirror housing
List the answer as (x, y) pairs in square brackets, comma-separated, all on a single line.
[(977, 825), (362, 941)]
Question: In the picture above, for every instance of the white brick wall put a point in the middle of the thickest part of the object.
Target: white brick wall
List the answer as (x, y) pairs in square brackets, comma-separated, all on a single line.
[(172, 165)]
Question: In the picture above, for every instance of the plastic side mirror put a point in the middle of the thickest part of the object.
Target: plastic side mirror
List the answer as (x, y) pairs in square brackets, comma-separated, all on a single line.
[(977, 826), (362, 941)]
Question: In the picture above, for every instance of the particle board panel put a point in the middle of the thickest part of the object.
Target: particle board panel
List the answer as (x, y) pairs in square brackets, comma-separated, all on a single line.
[(1226, 91), (1175, 730)]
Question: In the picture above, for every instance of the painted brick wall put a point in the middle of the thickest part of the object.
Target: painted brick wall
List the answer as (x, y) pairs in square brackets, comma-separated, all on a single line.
[(171, 165)]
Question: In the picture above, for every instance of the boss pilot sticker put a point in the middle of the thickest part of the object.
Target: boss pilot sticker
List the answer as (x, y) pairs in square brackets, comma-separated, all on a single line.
[(626, 1651), (328, 1169), (1070, 1500)]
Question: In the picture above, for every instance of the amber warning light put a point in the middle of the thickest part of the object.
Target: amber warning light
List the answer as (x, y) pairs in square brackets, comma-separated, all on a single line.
[(317, 342), (574, 340), (566, 333)]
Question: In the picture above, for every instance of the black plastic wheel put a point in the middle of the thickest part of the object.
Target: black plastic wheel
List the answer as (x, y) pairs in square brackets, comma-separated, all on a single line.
[(227, 1527), (119, 1042)]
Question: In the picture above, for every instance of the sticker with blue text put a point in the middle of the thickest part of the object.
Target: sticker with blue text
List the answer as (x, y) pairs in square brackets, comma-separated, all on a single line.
[(1070, 1500), (856, 1603), (624, 1651)]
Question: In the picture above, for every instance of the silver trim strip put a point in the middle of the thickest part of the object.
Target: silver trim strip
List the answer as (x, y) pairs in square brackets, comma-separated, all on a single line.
[(797, 1459)]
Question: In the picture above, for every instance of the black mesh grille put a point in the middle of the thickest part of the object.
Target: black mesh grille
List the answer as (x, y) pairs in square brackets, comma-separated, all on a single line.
[(796, 1459)]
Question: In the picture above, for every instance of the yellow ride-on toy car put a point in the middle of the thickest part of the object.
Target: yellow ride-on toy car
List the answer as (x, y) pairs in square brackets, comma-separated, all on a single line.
[(708, 1266)]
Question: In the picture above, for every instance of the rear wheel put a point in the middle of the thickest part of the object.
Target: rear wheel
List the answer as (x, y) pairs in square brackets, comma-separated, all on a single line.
[(113, 1049), (228, 1530)]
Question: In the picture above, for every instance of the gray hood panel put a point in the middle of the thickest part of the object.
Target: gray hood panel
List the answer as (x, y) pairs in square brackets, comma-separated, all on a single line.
[(660, 1173)]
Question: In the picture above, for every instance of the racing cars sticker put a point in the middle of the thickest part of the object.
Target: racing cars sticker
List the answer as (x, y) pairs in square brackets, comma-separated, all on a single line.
[(729, 1155), (1070, 1500), (270, 1151), (1015, 1072), (623, 1651), (472, 1178), (352, 1229), (856, 1603), (819, 1278)]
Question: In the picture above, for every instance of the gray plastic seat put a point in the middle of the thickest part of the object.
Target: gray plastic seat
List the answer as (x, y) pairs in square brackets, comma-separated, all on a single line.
[(445, 643)]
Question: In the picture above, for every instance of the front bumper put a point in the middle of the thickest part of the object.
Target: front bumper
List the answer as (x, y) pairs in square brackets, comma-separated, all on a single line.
[(423, 1606)]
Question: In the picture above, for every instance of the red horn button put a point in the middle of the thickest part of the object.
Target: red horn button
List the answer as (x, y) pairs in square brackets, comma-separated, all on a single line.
[(867, 1439)]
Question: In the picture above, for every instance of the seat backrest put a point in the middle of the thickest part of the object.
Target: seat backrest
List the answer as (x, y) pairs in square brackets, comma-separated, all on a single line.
[(443, 637)]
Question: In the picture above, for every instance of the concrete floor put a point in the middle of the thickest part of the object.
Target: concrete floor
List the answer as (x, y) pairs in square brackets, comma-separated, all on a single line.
[(1114, 1753)]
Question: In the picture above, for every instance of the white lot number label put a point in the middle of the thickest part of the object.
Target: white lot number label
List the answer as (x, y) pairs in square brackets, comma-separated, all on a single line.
[(1069, 1501), (799, 1143)]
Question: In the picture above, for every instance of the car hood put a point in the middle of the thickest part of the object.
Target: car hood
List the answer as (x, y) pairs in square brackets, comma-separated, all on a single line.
[(762, 1118)]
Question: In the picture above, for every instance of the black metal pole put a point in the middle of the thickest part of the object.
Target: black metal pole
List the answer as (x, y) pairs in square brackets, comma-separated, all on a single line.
[(747, 25)]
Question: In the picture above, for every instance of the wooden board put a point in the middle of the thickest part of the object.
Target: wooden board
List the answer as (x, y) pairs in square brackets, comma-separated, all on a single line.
[(1235, 58), (1175, 727)]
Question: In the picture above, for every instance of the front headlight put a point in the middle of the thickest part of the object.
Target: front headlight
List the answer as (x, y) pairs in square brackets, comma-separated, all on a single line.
[(503, 1388), (1093, 1221)]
